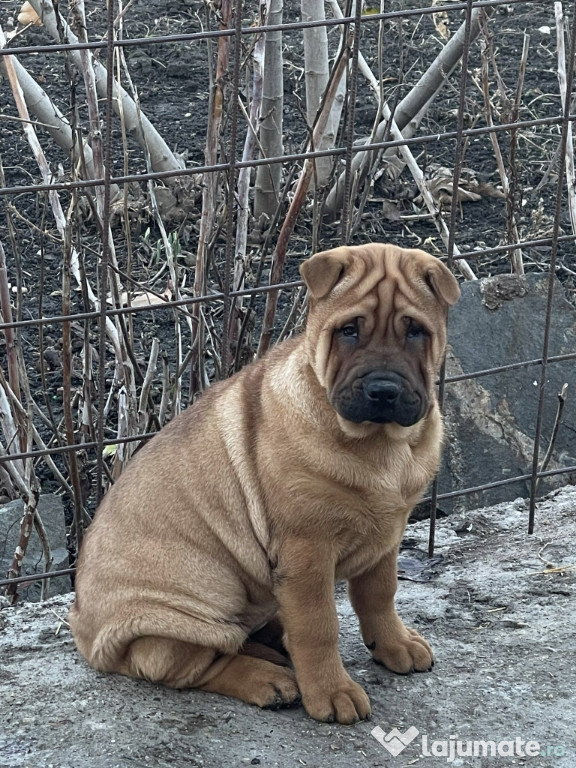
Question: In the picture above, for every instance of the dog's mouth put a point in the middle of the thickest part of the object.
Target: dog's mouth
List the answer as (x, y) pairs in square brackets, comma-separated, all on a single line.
[(381, 398)]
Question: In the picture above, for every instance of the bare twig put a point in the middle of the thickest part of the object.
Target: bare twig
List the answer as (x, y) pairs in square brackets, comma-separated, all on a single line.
[(124, 362), (10, 431), (6, 312), (513, 200), (150, 371), (507, 185), (199, 375), (22, 475), (250, 144)]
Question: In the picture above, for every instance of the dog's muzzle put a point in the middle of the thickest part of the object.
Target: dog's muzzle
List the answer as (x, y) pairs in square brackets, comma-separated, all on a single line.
[(382, 398)]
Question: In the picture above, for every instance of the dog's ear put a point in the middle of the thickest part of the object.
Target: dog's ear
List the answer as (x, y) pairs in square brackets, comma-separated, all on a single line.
[(442, 283), (324, 270)]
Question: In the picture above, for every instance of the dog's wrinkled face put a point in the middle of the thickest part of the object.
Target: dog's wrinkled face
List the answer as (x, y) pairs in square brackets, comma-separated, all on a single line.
[(376, 330)]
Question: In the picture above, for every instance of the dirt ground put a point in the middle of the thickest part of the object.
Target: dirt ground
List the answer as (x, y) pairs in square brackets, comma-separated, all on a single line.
[(498, 609)]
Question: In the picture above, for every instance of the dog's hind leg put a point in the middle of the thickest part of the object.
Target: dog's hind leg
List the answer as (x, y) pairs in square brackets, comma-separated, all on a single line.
[(179, 664), (175, 663), (260, 650)]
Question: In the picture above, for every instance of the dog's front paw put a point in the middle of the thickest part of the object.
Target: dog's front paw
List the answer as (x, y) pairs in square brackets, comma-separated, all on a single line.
[(405, 652), (344, 702)]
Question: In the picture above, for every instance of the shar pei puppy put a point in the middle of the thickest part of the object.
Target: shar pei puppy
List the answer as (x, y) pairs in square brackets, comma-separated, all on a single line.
[(230, 527)]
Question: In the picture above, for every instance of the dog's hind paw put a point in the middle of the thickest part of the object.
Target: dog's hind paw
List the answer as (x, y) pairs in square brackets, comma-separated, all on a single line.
[(255, 681)]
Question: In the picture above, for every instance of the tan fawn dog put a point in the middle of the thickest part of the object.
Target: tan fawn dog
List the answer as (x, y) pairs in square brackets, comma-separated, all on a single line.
[(299, 470)]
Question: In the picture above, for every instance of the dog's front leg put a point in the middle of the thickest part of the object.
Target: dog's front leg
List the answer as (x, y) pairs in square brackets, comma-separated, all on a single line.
[(391, 643), (305, 592)]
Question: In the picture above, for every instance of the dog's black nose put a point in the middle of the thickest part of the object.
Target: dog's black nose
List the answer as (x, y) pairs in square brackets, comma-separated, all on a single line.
[(384, 391)]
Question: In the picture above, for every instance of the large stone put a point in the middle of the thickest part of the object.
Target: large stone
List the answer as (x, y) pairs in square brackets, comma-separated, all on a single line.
[(490, 421), (52, 513)]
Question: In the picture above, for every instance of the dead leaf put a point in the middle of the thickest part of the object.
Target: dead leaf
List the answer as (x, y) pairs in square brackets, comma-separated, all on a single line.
[(441, 22), (443, 192), (143, 298), (147, 299), (470, 190), (390, 211)]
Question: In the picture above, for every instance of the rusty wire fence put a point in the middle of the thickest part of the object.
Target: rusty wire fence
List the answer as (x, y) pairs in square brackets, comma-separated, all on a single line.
[(143, 254)]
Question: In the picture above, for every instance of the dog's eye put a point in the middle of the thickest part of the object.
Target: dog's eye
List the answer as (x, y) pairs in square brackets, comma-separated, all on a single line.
[(350, 330), (416, 331)]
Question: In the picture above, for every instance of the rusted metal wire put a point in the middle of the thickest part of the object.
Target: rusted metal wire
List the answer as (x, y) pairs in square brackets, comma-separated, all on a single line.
[(291, 158), (501, 483), (37, 577)]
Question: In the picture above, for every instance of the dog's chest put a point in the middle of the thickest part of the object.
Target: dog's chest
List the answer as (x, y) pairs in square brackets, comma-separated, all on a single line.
[(375, 531)]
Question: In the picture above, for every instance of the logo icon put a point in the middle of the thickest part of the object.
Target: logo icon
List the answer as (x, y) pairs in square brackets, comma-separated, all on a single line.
[(395, 741)]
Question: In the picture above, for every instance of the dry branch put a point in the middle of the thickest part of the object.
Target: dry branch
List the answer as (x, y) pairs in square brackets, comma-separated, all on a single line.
[(127, 406), (210, 191), (6, 313), (267, 188), (16, 421), (11, 435), (123, 369), (557, 422), (248, 152)]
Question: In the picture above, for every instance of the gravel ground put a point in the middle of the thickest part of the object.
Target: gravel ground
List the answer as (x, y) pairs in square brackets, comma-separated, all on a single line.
[(498, 610)]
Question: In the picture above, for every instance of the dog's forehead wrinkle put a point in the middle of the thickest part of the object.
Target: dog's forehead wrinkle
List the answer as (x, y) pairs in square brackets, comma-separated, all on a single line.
[(363, 276), (363, 308), (416, 303)]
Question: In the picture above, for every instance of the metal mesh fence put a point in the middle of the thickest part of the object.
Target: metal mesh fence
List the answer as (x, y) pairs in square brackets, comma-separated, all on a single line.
[(146, 249)]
